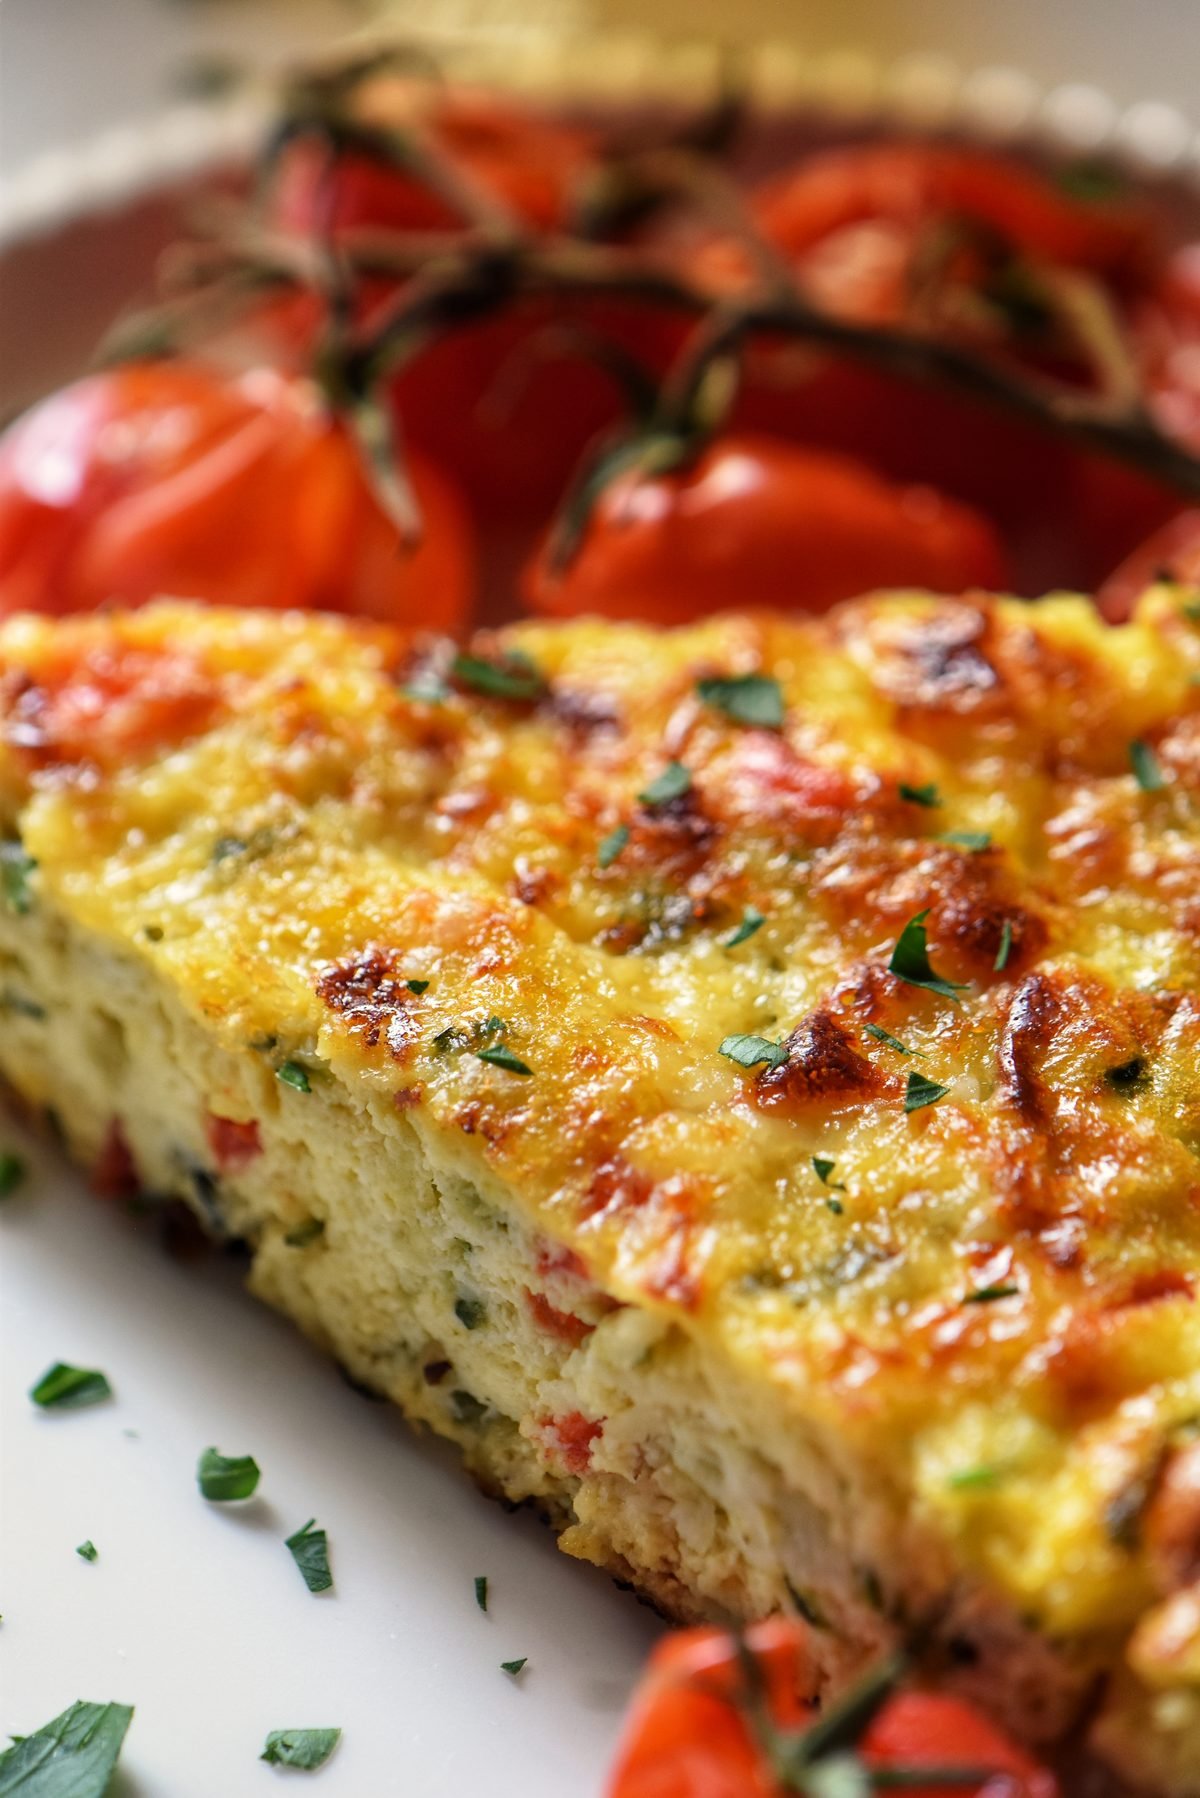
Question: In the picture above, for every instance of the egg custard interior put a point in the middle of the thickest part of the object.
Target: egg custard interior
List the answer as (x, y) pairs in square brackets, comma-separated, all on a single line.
[(741, 1084)]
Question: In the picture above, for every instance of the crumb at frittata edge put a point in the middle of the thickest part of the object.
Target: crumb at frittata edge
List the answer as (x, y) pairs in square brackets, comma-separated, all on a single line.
[(418, 978)]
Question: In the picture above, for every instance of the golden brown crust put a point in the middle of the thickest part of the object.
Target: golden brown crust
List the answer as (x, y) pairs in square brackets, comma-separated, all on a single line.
[(998, 1311)]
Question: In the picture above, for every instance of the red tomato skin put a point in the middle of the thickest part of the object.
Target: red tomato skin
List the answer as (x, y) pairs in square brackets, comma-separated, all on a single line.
[(684, 1738), (233, 1145), (171, 479), (915, 183), (1172, 550), (687, 1736), (930, 1729), (759, 523)]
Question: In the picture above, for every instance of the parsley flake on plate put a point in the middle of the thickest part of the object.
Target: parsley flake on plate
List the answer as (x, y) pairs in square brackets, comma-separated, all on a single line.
[(921, 1092), (310, 1551), (1147, 770), (755, 699), (674, 781), (87, 1551), (307, 1749), (748, 1051), (223, 1478), (481, 1591), (752, 920), (823, 1166), (66, 1388), (74, 1756), (514, 1667), (910, 961)]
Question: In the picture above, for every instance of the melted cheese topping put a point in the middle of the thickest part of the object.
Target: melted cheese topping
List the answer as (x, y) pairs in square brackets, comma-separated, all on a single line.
[(992, 1297)]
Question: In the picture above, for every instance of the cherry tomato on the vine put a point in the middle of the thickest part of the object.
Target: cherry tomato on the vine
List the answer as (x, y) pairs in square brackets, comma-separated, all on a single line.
[(755, 522), (692, 1730), (169, 478)]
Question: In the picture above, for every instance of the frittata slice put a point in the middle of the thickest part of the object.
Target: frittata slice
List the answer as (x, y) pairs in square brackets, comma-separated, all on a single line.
[(740, 1084)]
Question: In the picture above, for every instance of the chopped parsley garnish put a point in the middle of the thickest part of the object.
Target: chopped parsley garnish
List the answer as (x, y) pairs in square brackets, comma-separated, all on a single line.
[(752, 920), (1005, 949), (304, 1233), (417, 986), (470, 1312), (836, 1206), (481, 1591), (755, 699), (928, 796), (292, 1074), (823, 1166), (223, 1478), (498, 1056), (910, 961), (467, 1408), (674, 781), (69, 1388), (987, 1295), (612, 845), (12, 1171), (1147, 770), (304, 1748), (15, 868), (310, 1551), (893, 1042), (514, 676), (87, 1551), (921, 1092), (748, 1051), (74, 1756), (971, 1479), (514, 1667), (974, 840)]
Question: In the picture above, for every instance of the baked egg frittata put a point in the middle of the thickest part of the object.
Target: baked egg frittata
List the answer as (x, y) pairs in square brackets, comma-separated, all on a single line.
[(741, 1084)]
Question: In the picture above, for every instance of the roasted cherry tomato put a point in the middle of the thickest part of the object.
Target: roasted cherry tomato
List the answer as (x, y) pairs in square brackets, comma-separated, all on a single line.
[(167, 478), (754, 522), (966, 245), (692, 1734), (528, 165), (1173, 551), (915, 184)]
